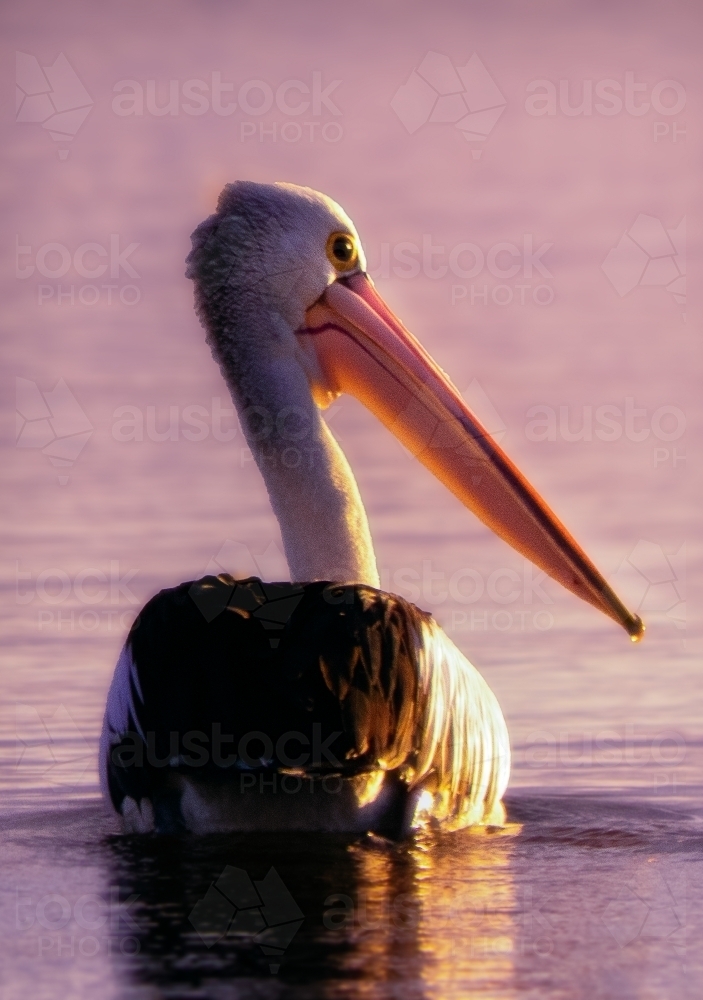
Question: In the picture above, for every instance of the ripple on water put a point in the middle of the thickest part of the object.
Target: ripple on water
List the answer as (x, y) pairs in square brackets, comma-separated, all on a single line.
[(477, 913)]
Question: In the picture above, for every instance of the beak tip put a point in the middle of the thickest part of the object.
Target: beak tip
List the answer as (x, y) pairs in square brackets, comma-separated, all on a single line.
[(635, 628)]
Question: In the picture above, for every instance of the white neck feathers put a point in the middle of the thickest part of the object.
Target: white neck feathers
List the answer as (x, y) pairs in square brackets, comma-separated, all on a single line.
[(312, 490)]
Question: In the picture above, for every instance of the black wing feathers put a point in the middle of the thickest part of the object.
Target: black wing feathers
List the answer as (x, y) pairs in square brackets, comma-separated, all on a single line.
[(275, 658)]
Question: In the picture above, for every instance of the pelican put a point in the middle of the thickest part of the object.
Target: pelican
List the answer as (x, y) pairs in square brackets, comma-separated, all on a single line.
[(323, 703)]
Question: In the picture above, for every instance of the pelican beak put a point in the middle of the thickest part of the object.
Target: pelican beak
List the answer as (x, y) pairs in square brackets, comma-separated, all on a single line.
[(363, 349)]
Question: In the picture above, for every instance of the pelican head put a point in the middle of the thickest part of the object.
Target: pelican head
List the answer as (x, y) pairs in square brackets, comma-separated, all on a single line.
[(294, 320)]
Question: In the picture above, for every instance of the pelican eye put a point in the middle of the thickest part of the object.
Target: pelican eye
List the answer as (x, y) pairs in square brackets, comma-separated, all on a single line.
[(342, 252)]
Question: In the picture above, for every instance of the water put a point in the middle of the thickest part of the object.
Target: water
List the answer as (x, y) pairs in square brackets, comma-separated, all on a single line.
[(576, 897), (592, 890)]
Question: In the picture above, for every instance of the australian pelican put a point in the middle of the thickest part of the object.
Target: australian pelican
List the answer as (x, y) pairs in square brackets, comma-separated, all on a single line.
[(324, 703)]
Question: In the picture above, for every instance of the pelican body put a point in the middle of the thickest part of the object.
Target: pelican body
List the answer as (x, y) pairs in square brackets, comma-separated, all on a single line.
[(322, 703)]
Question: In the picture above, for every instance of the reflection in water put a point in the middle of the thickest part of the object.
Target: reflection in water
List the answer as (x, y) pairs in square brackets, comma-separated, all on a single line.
[(469, 929), (431, 919), (587, 898)]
